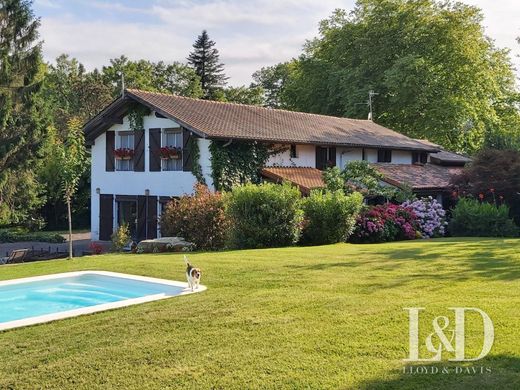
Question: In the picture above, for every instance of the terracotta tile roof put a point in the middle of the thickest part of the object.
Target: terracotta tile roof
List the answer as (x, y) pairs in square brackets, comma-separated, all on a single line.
[(305, 178), (238, 121), (445, 157), (419, 177)]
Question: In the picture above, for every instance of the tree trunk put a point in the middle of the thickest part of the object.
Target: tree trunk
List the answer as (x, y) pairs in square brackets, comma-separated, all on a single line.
[(69, 214)]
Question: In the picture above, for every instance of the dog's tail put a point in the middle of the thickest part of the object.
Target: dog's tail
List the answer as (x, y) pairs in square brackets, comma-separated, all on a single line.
[(186, 260)]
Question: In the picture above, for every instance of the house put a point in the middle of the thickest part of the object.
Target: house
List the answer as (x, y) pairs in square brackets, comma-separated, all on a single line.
[(132, 180)]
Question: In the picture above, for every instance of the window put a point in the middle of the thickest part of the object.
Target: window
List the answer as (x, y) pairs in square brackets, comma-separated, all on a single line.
[(172, 138), (419, 158), (384, 155), (293, 153), (125, 140)]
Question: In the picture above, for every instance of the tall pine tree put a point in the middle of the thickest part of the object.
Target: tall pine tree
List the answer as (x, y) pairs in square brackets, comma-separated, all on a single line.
[(21, 123), (205, 60)]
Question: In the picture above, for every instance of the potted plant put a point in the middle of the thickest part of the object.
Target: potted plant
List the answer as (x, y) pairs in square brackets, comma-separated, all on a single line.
[(124, 153)]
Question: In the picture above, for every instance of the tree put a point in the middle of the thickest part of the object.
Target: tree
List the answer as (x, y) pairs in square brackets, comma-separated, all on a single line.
[(174, 78), (436, 74), (205, 61), (73, 159), (273, 80), (494, 176), (21, 122), (244, 95)]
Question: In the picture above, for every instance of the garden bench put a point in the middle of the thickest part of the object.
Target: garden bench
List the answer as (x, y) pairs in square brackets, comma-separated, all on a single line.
[(16, 256)]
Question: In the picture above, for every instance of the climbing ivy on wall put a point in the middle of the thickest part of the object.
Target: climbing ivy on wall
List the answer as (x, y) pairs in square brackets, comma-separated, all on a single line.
[(196, 169), (136, 116), (237, 162)]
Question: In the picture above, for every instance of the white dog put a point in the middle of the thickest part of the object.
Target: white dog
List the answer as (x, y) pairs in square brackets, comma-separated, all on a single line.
[(192, 274)]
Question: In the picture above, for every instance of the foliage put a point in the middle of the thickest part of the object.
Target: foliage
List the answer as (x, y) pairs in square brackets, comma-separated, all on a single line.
[(237, 162), (431, 216), (436, 74), (73, 164), (96, 248), (20, 198), (199, 218), (121, 237), (358, 176), (175, 78), (136, 117), (244, 95), (196, 168), (21, 234), (22, 120), (388, 222), (496, 175), (471, 217), (205, 61), (329, 216), (265, 215), (272, 80)]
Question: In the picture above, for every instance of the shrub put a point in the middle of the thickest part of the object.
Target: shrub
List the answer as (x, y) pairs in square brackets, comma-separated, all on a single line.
[(198, 218), (329, 217), (121, 237), (266, 215), (22, 234), (430, 215), (387, 222), (473, 218), (96, 248)]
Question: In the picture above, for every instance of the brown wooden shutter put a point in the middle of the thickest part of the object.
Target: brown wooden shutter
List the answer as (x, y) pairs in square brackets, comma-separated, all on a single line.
[(139, 150), (155, 150), (151, 220), (187, 158), (321, 157), (106, 216), (141, 218), (332, 157), (110, 146)]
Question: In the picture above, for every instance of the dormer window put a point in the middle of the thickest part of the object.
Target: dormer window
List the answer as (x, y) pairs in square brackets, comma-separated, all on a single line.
[(384, 156), (419, 158)]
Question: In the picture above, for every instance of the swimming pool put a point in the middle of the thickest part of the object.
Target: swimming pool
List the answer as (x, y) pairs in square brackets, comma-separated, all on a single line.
[(51, 297)]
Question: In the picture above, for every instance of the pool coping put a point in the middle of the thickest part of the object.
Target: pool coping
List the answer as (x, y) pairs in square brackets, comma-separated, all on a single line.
[(96, 308)]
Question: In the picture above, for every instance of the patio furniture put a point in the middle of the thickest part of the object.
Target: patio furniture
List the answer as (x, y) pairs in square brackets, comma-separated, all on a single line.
[(16, 256)]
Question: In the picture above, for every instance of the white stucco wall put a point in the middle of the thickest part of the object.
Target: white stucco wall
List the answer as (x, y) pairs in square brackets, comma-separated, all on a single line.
[(164, 183), (401, 157), (306, 157)]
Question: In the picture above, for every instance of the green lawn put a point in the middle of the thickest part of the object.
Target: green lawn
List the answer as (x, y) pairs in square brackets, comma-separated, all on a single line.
[(318, 317)]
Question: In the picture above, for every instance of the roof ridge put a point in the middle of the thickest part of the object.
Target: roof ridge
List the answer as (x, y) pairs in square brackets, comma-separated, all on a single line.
[(132, 90)]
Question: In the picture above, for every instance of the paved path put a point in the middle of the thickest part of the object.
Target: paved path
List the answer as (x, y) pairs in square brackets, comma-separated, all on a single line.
[(80, 242)]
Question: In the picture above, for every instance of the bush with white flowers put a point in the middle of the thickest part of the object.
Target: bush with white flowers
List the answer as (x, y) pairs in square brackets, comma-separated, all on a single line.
[(431, 216)]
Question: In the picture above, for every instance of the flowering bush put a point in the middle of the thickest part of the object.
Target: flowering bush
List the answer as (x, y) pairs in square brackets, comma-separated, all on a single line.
[(199, 218), (430, 215), (96, 248), (388, 222), (124, 153)]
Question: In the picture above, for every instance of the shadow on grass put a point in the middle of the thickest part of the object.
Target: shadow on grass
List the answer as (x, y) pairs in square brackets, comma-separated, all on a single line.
[(492, 372), (489, 259)]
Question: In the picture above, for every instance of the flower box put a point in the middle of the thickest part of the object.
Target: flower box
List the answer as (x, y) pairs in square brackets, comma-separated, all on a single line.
[(124, 154), (171, 153)]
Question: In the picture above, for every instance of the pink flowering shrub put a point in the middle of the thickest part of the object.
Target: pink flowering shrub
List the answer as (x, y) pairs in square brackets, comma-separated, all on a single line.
[(430, 215), (387, 222)]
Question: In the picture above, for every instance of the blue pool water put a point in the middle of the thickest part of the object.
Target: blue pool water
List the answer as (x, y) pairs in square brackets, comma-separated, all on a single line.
[(36, 298)]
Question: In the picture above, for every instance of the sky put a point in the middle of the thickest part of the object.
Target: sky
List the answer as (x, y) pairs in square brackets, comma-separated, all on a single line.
[(249, 34)]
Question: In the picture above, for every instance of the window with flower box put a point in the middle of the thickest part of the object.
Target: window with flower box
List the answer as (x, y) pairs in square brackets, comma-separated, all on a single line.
[(171, 150), (124, 152)]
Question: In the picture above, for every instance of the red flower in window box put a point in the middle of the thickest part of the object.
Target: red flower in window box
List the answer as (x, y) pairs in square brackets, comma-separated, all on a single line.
[(124, 153), (171, 153)]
